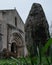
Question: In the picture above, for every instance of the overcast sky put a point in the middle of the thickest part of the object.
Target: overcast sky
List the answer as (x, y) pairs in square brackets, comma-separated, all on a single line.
[(23, 7)]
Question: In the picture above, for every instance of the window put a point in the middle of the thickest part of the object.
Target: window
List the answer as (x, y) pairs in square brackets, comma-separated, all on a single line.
[(15, 21), (0, 42), (0, 28)]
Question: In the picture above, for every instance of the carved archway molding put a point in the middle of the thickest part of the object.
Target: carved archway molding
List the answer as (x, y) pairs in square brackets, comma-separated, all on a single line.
[(18, 41)]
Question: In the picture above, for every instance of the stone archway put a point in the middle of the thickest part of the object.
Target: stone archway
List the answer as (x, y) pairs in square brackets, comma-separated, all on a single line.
[(17, 44)]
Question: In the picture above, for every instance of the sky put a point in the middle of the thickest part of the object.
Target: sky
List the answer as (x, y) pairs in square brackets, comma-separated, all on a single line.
[(23, 7)]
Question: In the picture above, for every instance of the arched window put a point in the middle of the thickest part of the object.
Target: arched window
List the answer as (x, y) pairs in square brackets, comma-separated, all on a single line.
[(0, 42), (16, 21)]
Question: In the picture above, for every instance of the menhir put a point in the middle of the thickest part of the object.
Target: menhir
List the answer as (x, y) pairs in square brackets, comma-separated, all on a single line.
[(36, 27)]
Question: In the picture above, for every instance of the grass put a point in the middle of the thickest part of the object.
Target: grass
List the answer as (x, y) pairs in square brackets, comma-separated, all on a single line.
[(7, 62), (15, 61), (21, 61)]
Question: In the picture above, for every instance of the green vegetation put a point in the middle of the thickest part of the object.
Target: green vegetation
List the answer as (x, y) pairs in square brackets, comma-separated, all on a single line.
[(7, 62), (40, 59), (47, 45), (26, 61)]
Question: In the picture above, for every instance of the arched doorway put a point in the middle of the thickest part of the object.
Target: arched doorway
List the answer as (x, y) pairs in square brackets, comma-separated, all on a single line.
[(17, 44), (13, 47)]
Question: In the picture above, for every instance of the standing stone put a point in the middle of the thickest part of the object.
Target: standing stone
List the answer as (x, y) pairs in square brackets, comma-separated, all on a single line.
[(36, 28)]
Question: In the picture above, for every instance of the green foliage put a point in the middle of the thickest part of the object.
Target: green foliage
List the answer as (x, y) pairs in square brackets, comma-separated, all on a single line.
[(41, 59), (7, 62), (47, 45), (24, 61)]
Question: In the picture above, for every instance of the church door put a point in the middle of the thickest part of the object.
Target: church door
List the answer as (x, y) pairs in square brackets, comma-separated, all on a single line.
[(14, 48)]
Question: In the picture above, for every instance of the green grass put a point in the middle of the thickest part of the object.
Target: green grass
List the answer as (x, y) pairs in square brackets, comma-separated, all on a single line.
[(7, 62), (15, 61), (22, 61)]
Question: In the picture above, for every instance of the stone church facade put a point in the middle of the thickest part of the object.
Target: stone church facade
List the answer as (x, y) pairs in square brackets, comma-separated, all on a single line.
[(12, 32)]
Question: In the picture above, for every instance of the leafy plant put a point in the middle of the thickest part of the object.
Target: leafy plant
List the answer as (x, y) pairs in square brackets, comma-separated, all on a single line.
[(47, 45)]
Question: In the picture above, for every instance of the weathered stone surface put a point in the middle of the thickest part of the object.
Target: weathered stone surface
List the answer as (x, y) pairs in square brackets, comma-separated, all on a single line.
[(12, 35), (36, 28)]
